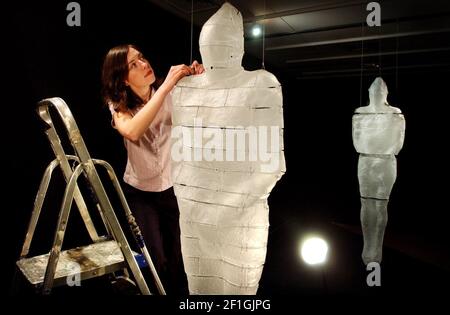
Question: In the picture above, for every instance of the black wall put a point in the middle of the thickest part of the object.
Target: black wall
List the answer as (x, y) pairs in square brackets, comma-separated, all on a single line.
[(46, 58)]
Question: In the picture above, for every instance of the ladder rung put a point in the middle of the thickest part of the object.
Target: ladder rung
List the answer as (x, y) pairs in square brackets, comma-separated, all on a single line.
[(89, 261)]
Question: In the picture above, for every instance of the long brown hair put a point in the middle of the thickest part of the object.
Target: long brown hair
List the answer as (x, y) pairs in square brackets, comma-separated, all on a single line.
[(114, 73)]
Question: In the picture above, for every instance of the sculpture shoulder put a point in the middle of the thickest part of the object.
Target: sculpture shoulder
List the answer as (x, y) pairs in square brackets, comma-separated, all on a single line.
[(192, 80), (265, 78), (370, 110), (395, 110), (257, 78), (361, 110)]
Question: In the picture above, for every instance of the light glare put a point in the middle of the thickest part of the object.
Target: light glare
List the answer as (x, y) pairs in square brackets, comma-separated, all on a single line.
[(314, 251), (256, 31)]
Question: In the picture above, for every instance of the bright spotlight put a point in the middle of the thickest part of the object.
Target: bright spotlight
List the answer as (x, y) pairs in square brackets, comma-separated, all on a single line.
[(314, 251), (256, 31)]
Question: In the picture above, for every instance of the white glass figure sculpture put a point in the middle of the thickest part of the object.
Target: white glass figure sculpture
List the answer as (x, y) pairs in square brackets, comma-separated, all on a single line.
[(227, 155), (378, 134)]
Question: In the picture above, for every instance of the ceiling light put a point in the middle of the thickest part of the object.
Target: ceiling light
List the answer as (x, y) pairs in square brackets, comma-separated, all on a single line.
[(256, 31)]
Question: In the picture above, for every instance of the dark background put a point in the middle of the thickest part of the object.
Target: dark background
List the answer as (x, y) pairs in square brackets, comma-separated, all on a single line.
[(319, 193)]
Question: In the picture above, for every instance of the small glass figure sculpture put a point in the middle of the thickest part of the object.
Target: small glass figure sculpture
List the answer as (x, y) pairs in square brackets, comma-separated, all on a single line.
[(378, 135)]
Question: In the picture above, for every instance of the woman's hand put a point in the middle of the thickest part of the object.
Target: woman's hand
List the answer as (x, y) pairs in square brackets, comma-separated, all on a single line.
[(175, 74), (197, 67)]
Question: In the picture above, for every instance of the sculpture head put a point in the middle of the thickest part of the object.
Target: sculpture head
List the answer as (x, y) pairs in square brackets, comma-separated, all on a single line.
[(378, 92), (222, 39)]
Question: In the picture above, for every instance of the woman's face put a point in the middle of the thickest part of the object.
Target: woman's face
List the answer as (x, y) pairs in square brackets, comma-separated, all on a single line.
[(140, 73)]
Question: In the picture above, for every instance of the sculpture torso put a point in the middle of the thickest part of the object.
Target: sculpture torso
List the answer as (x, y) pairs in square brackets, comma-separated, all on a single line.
[(239, 104), (378, 131)]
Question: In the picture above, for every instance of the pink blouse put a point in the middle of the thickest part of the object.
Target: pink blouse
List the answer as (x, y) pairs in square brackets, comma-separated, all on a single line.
[(148, 164)]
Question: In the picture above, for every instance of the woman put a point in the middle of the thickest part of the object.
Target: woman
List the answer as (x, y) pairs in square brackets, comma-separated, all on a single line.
[(141, 112)]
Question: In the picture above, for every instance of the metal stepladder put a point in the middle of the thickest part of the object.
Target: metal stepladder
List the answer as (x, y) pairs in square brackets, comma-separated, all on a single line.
[(107, 254)]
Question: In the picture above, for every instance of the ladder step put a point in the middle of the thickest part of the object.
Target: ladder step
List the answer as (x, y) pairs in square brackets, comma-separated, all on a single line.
[(90, 261)]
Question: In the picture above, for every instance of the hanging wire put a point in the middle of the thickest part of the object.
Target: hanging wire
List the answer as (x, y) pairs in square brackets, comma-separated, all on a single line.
[(379, 51), (192, 29), (362, 64), (263, 37), (396, 59)]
